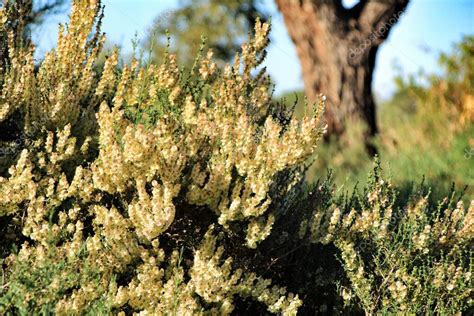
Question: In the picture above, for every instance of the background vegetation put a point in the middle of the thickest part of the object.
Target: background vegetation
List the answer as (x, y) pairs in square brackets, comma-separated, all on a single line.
[(426, 131)]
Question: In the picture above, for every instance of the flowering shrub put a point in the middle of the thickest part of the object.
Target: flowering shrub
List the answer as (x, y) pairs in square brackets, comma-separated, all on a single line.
[(147, 189), (416, 259), (117, 154)]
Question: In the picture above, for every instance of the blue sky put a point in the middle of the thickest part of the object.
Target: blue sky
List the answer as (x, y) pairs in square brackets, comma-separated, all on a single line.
[(427, 27)]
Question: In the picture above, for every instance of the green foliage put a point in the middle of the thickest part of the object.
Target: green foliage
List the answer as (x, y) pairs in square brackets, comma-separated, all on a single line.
[(224, 24), (416, 259), (37, 284)]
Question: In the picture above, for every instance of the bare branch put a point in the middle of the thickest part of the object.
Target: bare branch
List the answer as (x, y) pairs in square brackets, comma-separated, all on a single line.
[(379, 15), (50, 7)]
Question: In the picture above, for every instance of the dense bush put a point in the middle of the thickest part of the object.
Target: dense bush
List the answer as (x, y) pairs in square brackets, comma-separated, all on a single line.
[(148, 189)]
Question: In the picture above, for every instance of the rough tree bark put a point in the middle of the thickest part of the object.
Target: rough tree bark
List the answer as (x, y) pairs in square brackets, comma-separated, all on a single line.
[(337, 49)]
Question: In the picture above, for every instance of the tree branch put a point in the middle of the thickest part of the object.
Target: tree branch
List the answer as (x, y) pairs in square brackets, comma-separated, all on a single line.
[(379, 15), (50, 7), (333, 5)]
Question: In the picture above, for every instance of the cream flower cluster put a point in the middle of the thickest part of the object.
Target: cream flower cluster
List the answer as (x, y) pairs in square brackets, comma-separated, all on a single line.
[(243, 157), (100, 184), (414, 255)]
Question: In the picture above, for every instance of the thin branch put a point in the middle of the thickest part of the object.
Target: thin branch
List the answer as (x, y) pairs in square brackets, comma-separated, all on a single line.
[(52, 7)]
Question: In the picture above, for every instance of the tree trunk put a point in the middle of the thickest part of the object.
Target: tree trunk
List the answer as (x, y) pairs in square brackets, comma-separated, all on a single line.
[(337, 49)]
